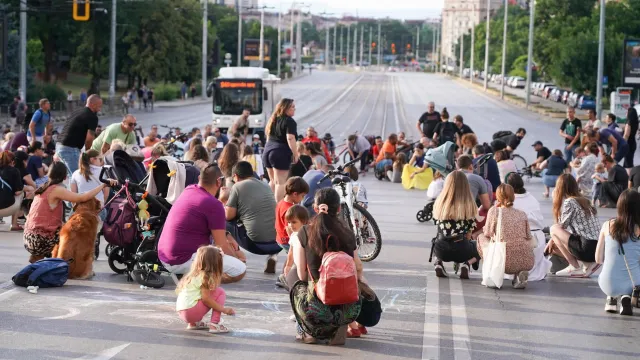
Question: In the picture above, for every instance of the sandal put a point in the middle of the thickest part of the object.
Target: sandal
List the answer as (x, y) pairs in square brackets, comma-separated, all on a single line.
[(218, 329), (353, 333), (307, 339), (363, 330), (17, 228), (201, 325)]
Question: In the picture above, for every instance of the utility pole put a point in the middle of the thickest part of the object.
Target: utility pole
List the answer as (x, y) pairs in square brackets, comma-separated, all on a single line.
[(433, 46), (532, 7), (355, 45), (299, 44), (335, 33), (205, 21), (279, 39), (348, 41), (486, 47), (261, 52), (601, 60), (23, 50), (451, 45), (504, 47), (438, 59), (461, 54), (112, 54), (361, 44), (370, 43), (473, 47), (418, 44), (326, 46), (379, 60), (341, 43), (239, 63)]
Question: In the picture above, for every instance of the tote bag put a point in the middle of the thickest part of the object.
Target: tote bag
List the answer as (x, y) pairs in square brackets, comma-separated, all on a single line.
[(494, 258)]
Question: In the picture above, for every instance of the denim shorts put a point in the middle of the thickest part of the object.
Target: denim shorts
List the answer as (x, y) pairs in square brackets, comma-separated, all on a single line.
[(285, 247)]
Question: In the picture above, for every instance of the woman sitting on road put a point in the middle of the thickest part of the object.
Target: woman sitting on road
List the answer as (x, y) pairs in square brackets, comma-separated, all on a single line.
[(199, 156), (20, 162), (468, 142), (326, 232), (254, 160), (514, 231), (228, 159), (619, 253), (11, 190), (575, 234), (553, 167), (304, 164), (415, 174), (455, 213), (505, 165), (585, 170), (315, 151), (527, 203)]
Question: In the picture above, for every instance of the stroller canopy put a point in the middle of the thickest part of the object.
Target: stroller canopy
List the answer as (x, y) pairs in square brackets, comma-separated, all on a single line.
[(124, 167), (442, 158), (168, 177)]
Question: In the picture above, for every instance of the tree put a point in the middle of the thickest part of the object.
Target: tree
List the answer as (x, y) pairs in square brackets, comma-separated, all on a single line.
[(10, 78)]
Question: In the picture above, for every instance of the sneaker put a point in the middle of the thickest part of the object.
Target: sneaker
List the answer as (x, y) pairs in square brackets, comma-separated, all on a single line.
[(625, 305), (571, 271), (590, 269), (611, 306), (270, 268), (464, 271), (520, 280), (440, 271), (282, 282)]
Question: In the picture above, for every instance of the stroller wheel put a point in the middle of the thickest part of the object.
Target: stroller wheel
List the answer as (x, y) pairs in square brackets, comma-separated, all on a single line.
[(148, 278), (421, 216), (108, 249), (117, 261), (428, 211)]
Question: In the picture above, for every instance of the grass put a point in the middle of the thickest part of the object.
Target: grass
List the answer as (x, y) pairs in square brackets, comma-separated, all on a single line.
[(76, 82)]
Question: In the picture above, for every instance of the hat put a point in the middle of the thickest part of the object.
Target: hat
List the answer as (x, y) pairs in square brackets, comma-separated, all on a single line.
[(328, 136), (256, 136), (537, 143)]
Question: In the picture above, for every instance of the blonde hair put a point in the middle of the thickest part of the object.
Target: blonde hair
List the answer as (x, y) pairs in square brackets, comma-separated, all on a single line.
[(208, 265), (211, 140), (455, 202), (300, 147), (281, 110), (506, 195), (8, 136), (117, 144), (599, 167), (158, 150)]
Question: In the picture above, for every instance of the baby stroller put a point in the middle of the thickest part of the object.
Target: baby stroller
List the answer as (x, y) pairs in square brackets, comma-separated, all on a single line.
[(168, 177), (122, 168), (441, 159)]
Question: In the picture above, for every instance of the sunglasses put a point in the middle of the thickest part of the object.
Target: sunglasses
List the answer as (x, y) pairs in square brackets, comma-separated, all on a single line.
[(132, 124)]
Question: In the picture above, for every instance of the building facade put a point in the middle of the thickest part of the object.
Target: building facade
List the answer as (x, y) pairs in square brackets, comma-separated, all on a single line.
[(459, 17)]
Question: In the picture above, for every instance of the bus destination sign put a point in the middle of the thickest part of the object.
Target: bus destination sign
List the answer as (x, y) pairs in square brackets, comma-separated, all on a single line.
[(237, 85)]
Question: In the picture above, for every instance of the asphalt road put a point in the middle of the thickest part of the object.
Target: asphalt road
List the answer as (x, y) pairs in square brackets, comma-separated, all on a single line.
[(424, 317)]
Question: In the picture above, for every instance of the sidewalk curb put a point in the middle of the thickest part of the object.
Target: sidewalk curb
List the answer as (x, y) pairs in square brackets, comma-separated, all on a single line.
[(546, 116)]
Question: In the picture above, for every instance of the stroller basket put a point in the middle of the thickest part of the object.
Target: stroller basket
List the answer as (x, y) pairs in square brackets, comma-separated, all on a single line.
[(442, 158)]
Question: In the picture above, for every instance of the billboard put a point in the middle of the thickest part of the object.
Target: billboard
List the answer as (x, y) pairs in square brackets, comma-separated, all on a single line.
[(631, 63), (252, 50)]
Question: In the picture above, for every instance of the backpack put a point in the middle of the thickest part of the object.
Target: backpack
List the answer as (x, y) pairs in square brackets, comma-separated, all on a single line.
[(6, 192), (482, 169), (338, 281), (448, 132), (501, 134), (120, 226), (44, 273)]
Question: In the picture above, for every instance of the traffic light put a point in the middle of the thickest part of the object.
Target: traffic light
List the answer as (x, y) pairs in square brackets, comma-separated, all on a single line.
[(373, 44), (408, 46), (81, 10), (393, 48)]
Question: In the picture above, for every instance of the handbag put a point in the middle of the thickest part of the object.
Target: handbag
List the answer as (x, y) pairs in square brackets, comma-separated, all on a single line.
[(636, 288), (371, 310), (495, 253)]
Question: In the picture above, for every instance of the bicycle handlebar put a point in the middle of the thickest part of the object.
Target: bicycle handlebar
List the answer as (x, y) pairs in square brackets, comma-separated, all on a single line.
[(338, 171)]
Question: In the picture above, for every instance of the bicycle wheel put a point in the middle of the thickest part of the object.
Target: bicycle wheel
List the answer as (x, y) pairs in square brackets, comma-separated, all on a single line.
[(521, 163), (368, 235), (346, 157)]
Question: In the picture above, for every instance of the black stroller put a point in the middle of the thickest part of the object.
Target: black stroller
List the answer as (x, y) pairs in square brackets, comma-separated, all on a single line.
[(441, 159)]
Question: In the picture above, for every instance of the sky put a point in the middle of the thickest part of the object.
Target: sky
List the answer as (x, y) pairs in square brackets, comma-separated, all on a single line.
[(400, 9)]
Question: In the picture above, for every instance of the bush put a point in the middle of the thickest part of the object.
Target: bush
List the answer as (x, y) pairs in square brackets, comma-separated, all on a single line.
[(52, 92), (167, 92)]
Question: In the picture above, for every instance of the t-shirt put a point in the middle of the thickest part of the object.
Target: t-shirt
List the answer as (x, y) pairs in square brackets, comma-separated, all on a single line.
[(85, 185), (493, 173), (386, 148), (256, 209), (281, 128), (222, 141), (314, 260), (513, 141), (635, 177), (362, 144), (20, 110), (556, 165), (110, 133), (312, 177), (33, 164), (465, 129), (281, 221), (301, 167), (41, 119), (10, 176), (446, 132), (189, 224), (606, 133), (319, 161), (429, 122), (477, 184), (571, 127), (189, 294), (75, 129), (618, 175), (20, 139), (544, 152)]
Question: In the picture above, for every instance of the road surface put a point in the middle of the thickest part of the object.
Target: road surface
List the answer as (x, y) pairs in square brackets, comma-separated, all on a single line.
[(424, 317)]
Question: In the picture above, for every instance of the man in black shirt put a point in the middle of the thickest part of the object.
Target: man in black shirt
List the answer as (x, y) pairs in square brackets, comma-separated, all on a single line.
[(570, 131), (543, 154), (428, 121), (634, 178), (616, 183), (462, 127), (78, 132)]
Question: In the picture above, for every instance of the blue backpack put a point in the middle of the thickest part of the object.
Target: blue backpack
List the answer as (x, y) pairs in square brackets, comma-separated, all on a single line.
[(44, 273)]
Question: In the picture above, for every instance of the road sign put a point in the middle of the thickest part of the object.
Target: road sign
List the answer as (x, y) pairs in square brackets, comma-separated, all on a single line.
[(252, 50), (605, 82)]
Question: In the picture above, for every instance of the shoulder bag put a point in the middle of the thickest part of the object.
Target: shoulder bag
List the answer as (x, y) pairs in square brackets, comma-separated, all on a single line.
[(494, 261)]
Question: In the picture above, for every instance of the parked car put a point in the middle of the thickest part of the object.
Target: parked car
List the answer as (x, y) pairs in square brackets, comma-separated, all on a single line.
[(518, 82), (541, 87), (587, 102), (547, 91), (553, 94), (565, 96), (573, 99)]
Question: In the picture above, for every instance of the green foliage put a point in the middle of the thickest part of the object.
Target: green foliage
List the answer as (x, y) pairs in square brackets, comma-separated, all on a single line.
[(35, 55), (167, 92), (9, 78), (52, 92)]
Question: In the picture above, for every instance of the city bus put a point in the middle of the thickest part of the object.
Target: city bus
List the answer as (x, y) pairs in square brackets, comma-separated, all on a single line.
[(239, 88)]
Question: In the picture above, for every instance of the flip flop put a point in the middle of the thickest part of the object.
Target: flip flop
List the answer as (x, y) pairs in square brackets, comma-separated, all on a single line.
[(201, 325)]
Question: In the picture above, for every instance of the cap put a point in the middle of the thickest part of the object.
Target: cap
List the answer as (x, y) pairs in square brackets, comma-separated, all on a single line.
[(256, 136), (537, 143), (328, 136)]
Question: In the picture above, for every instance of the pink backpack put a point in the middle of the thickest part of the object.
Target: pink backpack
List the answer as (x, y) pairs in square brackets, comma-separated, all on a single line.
[(120, 228), (338, 281)]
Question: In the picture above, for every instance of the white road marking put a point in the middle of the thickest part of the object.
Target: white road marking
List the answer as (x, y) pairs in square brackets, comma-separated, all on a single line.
[(252, 332), (395, 106), (330, 106), (460, 327), (72, 312), (431, 322), (105, 354), (7, 294)]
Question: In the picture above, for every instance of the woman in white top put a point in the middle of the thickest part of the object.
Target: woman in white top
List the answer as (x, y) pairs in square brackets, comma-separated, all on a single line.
[(529, 205), (86, 178), (505, 165)]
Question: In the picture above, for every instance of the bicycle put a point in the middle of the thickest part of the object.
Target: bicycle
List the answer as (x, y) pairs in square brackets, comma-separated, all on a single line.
[(359, 219)]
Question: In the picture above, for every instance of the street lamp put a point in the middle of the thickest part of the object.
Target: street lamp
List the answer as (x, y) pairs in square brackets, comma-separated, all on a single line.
[(326, 46)]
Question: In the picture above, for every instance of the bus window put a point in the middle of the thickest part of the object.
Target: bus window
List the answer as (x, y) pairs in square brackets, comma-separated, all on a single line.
[(266, 94)]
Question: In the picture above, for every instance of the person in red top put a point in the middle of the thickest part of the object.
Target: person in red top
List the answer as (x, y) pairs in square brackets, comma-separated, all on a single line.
[(377, 146), (295, 190), (312, 136), (387, 155)]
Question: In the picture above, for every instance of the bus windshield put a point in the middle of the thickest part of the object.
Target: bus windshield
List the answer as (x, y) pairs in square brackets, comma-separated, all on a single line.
[(233, 96)]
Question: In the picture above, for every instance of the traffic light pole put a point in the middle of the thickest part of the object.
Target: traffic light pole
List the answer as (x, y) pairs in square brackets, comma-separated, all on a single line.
[(112, 54), (205, 47), (23, 50), (370, 43)]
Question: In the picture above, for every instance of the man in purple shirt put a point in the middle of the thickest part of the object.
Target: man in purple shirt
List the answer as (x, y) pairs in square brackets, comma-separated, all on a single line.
[(194, 219), (613, 140)]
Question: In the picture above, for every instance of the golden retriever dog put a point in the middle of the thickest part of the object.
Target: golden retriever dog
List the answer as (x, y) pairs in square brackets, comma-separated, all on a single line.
[(77, 239)]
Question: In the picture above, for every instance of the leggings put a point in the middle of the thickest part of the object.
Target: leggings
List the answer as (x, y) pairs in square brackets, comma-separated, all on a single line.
[(199, 310)]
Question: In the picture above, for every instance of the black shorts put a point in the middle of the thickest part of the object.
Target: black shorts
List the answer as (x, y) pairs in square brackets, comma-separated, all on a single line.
[(277, 156), (628, 159), (456, 251), (584, 250)]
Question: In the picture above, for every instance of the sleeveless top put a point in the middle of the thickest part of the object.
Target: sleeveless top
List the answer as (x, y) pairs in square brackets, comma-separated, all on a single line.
[(251, 159), (42, 219), (419, 161)]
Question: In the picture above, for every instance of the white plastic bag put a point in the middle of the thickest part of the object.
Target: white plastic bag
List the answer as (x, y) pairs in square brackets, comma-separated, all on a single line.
[(494, 261)]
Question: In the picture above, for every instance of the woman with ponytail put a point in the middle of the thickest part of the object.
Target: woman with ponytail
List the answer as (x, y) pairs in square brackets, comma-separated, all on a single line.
[(326, 232), (281, 152), (41, 233), (514, 231)]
